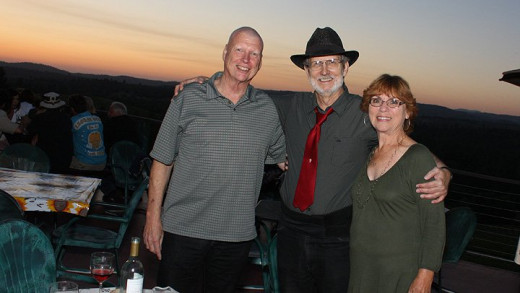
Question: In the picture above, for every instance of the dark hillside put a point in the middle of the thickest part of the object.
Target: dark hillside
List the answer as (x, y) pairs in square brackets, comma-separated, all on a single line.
[(144, 97)]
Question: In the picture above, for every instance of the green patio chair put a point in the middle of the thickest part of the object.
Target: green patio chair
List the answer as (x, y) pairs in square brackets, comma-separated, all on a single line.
[(263, 251), (9, 207), (461, 223), (26, 157), (27, 262), (93, 231), (273, 268), (123, 155)]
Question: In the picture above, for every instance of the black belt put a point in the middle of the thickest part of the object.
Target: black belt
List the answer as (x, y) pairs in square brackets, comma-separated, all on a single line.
[(336, 223)]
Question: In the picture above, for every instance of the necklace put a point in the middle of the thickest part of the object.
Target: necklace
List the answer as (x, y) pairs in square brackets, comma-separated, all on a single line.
[(362, 202), (387, 163)]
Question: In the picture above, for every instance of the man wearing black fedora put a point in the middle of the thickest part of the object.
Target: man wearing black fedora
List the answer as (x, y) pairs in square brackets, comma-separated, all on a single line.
[(313, 233), (328, 140)]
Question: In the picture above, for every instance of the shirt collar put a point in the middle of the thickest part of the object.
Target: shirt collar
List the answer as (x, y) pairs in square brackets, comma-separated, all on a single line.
[(340, 106), (212, 92)]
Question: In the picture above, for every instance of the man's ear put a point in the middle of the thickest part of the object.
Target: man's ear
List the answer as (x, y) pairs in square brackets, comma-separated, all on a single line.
[(224, 53), (345, 69)]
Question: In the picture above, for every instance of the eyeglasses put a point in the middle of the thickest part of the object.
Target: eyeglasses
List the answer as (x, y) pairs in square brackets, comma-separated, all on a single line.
[(391, 103), (330, 63)]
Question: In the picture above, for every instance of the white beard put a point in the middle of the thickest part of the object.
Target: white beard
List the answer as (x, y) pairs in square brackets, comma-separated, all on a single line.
[(338, 83)]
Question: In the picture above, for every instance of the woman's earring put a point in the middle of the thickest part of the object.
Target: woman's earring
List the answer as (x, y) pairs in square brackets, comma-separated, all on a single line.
[(407, 126)]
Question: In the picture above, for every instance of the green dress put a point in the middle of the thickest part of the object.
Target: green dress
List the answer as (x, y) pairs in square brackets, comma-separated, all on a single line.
[(394, 232)]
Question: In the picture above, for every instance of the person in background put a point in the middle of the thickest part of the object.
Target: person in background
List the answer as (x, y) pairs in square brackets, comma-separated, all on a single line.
[(217, 136), (51, 130), (396, 238), (314, 229), (14, 102), (91, 107), (24, 105), (21, 105), (87, 138), (6, 125), (119, 126)]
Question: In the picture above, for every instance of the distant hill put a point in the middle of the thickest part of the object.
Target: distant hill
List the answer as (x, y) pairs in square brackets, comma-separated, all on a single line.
[(23, 69), (468, 140), (33, 67), (143, 97)]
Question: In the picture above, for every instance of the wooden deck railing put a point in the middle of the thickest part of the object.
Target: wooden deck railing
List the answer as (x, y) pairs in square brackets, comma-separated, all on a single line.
[(496, 201)]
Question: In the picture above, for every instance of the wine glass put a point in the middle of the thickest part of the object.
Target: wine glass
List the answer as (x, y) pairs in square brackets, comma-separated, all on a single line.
[(101, 266)]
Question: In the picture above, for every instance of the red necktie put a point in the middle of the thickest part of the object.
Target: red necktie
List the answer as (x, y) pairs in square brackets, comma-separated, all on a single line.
[(304, 196)]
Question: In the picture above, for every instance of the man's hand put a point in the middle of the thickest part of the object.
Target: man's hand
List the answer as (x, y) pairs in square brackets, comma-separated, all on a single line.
[(153, 236), (180, 86), (284, 166), (436, 190)]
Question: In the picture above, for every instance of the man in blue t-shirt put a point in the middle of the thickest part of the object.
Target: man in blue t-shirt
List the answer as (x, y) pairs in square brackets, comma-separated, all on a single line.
[(87, 134)]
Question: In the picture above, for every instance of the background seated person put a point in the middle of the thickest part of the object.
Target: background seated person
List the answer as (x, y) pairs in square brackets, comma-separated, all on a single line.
[(87, 138)]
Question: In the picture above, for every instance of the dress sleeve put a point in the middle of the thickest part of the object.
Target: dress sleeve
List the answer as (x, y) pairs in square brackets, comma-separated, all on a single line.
[(431, 216)]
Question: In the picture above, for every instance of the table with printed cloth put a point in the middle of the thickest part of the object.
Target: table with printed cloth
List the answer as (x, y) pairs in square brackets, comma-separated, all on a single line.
[(46, 192)]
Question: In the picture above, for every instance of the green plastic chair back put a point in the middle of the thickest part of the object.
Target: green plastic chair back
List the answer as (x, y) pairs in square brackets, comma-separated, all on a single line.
[(9, 207), (27, 262), (460, 226), (26, 157), (81, 232), (122, 156), (264, 251), (273, 260)]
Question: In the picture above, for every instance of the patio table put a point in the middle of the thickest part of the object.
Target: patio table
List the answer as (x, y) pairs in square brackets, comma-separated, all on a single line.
[(47, 192)]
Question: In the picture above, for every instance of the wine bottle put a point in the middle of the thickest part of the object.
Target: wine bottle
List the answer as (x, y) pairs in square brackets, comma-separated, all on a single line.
[(132, 272)]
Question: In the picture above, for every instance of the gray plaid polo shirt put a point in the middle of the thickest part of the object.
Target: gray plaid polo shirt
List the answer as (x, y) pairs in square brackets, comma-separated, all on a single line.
[(219, 150)]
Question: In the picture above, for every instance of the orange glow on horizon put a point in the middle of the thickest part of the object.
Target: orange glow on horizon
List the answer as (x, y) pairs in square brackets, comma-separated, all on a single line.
[(95, 58)]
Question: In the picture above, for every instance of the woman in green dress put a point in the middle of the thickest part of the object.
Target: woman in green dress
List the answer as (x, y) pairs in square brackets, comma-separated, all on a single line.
[(397, 238)]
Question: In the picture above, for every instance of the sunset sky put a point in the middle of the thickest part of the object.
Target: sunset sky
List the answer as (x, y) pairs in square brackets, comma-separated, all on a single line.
[(452, 52)]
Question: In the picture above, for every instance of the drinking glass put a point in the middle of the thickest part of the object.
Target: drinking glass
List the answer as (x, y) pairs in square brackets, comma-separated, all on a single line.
[(101, 266), (64, 286)]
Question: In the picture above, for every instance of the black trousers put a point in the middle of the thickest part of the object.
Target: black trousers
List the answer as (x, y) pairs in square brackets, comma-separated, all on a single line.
[(313, 252), (201, 266)]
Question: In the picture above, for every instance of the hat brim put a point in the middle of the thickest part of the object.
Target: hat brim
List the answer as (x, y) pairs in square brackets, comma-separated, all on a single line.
[(298, 60), (52, 106)]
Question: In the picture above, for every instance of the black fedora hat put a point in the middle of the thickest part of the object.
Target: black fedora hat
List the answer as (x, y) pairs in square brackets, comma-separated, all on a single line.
[(324, 41)]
